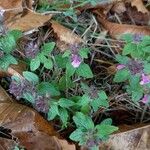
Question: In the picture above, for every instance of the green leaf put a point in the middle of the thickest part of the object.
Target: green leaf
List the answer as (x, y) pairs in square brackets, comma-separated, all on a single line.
[(34, 64), (29, 97), (129, 48), (76, 135), (121, 75), (95, 148), (31, 77), (65, 83), (53, 112), (60, 61), (104, 130), (47, 48), (107, 121), (84, 52), (98, 103), (82, 121), (85, 100), (122, 59), (48, 64), (65, 103), (46, 87), (147, 68), (6, 61), (146, 49), (17, 34), (63, 114), (11, 59), (127, 37), (70, 70), (137, 95), (66, 53), (102, 95), (7, 43), (84, 71)]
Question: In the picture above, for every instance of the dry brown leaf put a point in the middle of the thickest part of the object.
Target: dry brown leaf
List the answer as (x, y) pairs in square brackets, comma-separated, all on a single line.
[(29, 21), (12, 8), (139, 5), (134, 138), (65, 36), (116, 30), (119, 7), (28, 127)]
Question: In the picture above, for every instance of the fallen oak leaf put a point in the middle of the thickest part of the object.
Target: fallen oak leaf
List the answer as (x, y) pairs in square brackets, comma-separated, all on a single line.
[(139, 5), (116, 30), (65, 36), (30, 20)]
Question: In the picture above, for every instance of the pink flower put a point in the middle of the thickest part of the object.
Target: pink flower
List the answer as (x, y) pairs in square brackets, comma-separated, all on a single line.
[(119, 67), (145, 79), (75, 60), (145, 99)]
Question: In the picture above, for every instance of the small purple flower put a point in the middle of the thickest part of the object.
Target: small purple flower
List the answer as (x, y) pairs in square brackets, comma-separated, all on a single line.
[(41, 104), (120, 66), (145, 99), (145, 79), (76, 60), (21, 87), (135, 66), (137, 38), (31, 50)]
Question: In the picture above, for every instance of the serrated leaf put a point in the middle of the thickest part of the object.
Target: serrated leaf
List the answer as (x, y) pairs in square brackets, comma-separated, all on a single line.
[(60, 61), (29, 97), (122, 59), (63, 114), (137, 95), (48, 64), (66, 53), (147, 68), (85, 100), (47, 48), (98, 103), (70, 70), (53, 112), (84, 52), (104, 130), (129, 48), (121, 75), (17, 34), (34, 64), (31, 77), (65, 103), (84, 71), (83, 121), (76, 135), (7, 43), (46, 87), (65, 83), (107, 121)]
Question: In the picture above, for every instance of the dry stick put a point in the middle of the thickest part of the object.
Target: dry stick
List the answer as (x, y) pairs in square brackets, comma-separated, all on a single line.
[(104, 62)]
